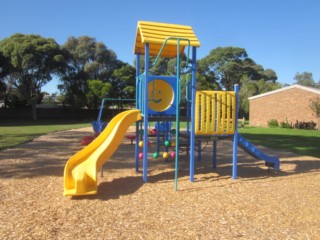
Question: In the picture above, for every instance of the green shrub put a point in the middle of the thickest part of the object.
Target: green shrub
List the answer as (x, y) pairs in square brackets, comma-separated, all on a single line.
[(305, 125), (285, 124), (273, 123)]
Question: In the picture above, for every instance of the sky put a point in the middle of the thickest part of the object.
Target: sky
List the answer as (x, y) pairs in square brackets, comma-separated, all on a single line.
[(283, 35)]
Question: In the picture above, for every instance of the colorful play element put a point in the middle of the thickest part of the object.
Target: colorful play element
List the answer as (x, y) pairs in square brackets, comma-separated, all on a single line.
[(215, 112), (158, 153), (164, 155), (87, 139), (98, 125), (153, 131), (141, 143), (167, 143), (161, 133), (155, 34), (208, 114), (80, 173), (270, 161), (131, 137), (161, 95)]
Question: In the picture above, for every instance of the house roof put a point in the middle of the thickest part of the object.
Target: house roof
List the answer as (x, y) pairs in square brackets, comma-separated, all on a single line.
[(156, 34), (309, 89)]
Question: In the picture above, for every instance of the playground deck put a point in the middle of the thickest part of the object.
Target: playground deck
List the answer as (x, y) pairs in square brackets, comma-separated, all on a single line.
[(259, 205)]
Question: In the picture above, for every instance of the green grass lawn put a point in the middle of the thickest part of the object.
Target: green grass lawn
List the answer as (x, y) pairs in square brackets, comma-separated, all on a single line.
[(14, 132), (302, 142)]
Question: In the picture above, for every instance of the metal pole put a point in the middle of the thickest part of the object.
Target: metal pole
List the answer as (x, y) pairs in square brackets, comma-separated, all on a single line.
[(177, 117), (145, 117), (193, 98), (235, 136)]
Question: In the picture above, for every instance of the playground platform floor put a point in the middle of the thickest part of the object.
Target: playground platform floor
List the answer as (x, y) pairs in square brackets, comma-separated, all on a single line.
[(260, 204)]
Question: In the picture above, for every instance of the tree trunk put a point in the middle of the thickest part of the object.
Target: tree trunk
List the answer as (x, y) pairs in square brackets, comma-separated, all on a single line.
[(34, 109), (5, 100)]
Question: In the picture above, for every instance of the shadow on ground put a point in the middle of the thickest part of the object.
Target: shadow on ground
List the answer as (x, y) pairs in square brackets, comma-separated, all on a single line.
[(47, 156)]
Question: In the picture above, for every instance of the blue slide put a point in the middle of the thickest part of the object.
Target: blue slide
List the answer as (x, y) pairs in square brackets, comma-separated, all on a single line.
[(271, 161)]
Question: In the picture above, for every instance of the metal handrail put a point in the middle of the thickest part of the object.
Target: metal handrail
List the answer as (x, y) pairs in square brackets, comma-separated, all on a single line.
[(165, 43)]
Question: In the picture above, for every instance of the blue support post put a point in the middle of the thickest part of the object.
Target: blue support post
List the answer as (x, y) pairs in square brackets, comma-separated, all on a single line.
[(136, 149), (193, 100), (100, 112), (235, 136), (145, 117), (177, 117)]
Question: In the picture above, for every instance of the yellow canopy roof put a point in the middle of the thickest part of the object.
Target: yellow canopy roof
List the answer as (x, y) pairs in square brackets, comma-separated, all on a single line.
[(156, 33)]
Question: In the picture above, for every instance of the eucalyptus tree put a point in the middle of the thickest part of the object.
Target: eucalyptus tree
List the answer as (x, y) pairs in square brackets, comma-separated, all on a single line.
[(86, 60), (33, 60), (251, 88), (226, 66), (97, 91), (305, 79), (4, 71), (124, 82)]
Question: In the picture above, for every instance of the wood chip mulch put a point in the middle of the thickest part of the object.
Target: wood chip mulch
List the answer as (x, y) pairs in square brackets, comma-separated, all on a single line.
[(260, 204)]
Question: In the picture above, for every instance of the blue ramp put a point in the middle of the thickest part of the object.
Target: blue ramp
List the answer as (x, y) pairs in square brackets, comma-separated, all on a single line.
[(271, 161)]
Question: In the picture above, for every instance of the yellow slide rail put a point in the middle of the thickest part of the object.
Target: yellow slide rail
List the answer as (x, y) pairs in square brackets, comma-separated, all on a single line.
[(215, 112)]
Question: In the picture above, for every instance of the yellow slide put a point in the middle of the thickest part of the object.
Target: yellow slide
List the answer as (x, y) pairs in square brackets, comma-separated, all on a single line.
[(80, 172)]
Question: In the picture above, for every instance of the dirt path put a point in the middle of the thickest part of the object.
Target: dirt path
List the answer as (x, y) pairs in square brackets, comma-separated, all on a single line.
[(261, 204)]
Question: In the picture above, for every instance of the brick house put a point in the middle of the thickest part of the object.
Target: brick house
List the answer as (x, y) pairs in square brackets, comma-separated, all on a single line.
[(290, 103)]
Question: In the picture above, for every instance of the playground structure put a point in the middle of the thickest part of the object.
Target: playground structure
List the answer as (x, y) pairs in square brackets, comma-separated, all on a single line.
[(158, 100)]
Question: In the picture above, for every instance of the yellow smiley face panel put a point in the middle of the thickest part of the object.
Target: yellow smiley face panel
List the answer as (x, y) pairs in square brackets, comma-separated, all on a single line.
[(161, 96)]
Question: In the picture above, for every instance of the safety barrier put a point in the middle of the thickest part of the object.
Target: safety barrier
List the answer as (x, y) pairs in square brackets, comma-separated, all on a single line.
[(215, 112)]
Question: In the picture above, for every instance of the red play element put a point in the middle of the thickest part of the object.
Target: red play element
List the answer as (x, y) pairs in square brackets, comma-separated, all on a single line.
[(87, 139), (154, 131), (131, 137)]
